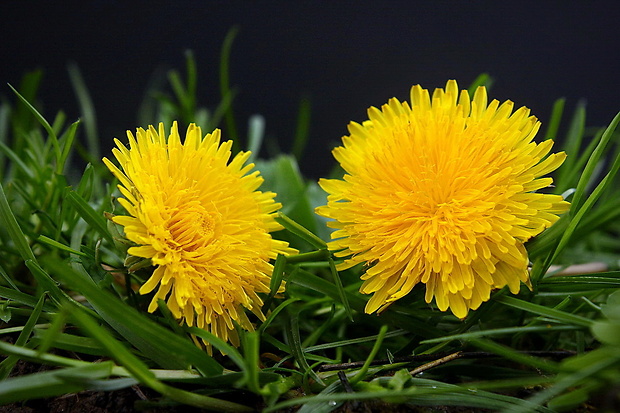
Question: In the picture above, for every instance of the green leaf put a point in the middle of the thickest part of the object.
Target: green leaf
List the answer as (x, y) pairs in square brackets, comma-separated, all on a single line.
[(607, 332)]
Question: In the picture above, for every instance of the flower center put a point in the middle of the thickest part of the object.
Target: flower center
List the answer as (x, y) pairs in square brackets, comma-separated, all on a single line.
[(194, 226)]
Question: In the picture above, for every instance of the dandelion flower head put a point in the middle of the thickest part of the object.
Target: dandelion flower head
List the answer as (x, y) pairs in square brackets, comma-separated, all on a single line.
[(202, 222), (442, 191)]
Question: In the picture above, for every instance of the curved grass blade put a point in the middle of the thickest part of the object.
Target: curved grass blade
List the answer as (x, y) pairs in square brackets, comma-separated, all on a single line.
[(371, 356), (8, 363), (141, 372), (156, 342), (593, 161), (219, 344), (554, 120), (341, 292), (88, 214), (300, 231), (52, 383), (48, 241), (12, 227), (541, 310), (303, 128), (291, 332), (44, 123), (225, 90)]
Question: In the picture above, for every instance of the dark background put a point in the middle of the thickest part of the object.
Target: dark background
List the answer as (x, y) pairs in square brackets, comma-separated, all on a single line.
[(343, 55)]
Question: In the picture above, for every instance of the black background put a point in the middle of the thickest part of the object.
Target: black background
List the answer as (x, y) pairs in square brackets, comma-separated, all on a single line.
[(343, 55)]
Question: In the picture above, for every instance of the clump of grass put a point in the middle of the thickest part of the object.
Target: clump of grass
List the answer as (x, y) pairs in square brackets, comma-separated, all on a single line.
[(68, 301)]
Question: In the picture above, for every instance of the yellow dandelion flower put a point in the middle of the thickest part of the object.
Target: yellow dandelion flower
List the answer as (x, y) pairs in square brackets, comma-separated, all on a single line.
[(202, 222), (441, 192)]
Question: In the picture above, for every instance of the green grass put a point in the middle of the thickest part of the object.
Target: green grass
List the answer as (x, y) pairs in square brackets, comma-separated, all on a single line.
[(66, 299)]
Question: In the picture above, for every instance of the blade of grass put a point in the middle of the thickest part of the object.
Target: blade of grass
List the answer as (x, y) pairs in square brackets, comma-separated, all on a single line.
[(88, 214), (67, 140), (8, 280), (590, 201), (156, 342), (53, 331), (219, 344), (555, 118), (225, 90), (12, 156), (48, 241), (579, 283), (272, 316), (303, 128), (371, 356), (8, 363), (52, 383), (569, 381), (510, 354), (292, 334), (44, 123), (276, 280), (251, 351), (353, 341), (294, 228), (591, 165), (86, 108), (572, 143), (29, 86), (482, 80), (256, 133), (71, 342), (498, 331), (541, 310), (341, 292), (436, 394), (13, 229), (140, 371), (22, 298)]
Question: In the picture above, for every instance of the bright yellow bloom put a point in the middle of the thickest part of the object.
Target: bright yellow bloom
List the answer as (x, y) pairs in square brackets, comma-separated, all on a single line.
[(442, 192), (201, 221)]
